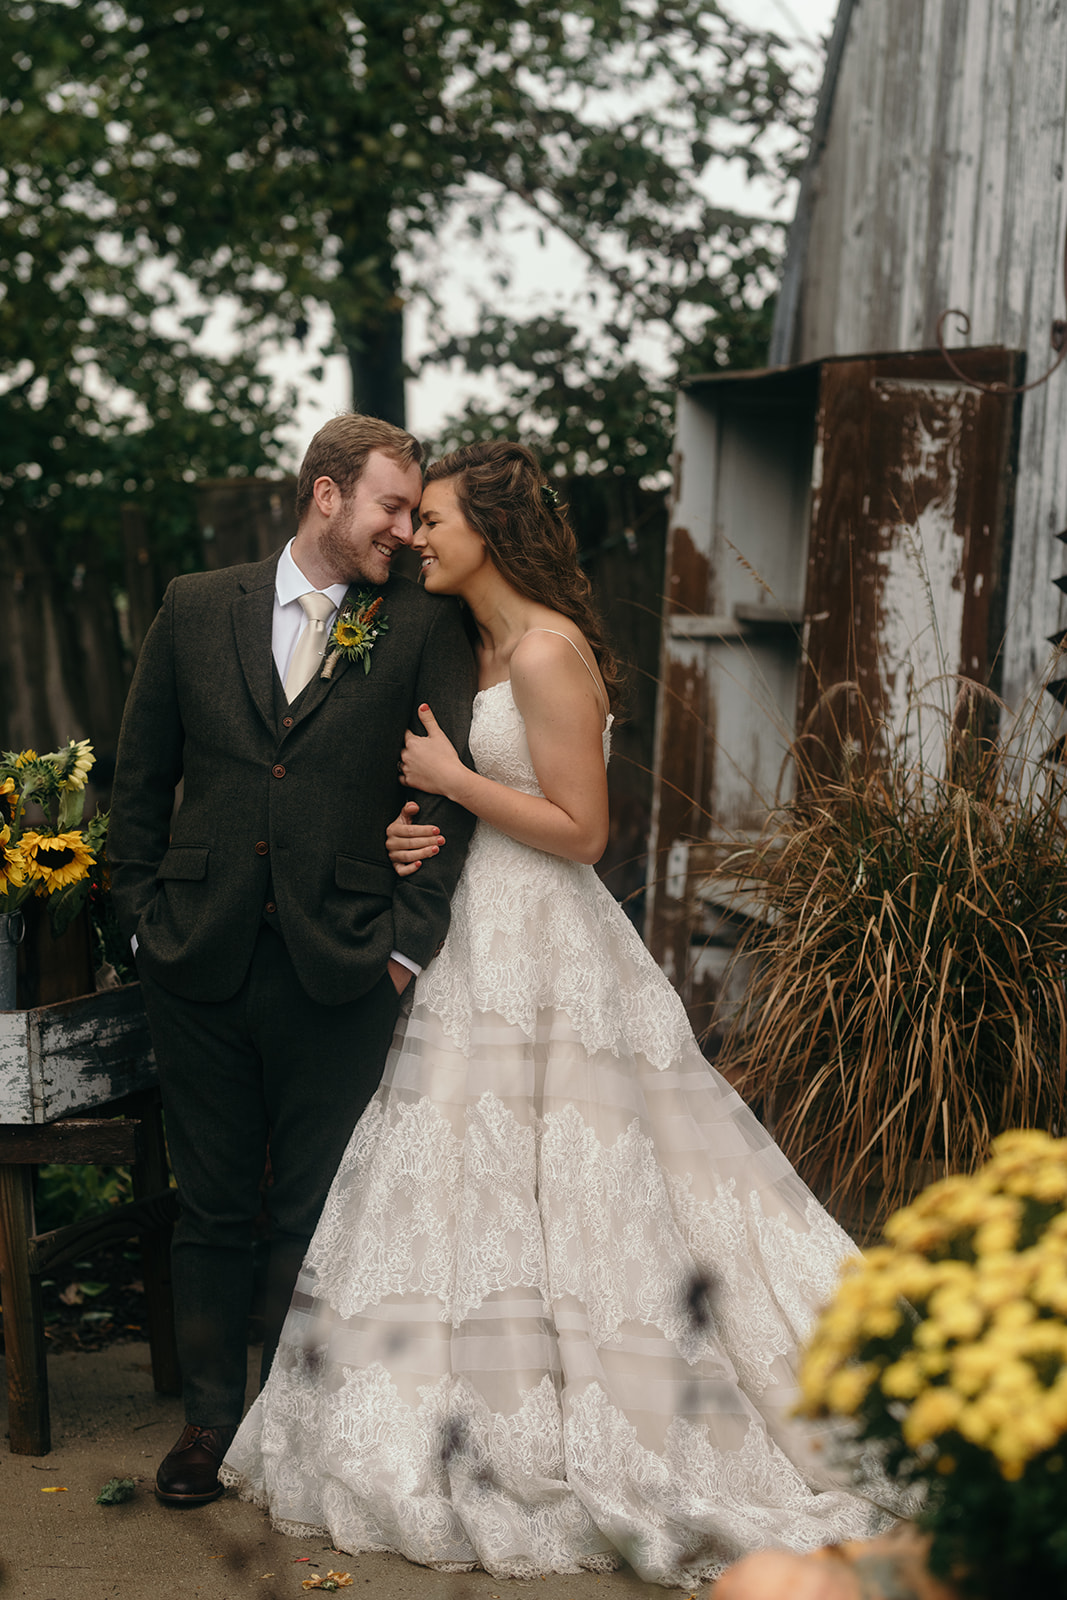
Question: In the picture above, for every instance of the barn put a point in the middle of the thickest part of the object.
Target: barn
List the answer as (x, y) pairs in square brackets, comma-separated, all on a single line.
[(886, 503)]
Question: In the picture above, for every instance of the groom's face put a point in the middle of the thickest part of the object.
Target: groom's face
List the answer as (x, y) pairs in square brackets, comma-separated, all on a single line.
[(369, 525)]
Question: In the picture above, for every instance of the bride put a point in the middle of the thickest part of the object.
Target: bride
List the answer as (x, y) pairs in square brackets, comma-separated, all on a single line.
[(549, 1318)]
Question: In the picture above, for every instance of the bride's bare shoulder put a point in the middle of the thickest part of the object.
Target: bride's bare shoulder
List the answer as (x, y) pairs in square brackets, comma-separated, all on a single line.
[(551, 639)]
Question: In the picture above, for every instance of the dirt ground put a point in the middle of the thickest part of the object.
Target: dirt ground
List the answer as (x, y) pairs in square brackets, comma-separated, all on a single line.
[(57, 1543)]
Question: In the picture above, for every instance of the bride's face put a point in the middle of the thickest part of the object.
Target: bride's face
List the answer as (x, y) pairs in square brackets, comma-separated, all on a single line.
[(452, 553)]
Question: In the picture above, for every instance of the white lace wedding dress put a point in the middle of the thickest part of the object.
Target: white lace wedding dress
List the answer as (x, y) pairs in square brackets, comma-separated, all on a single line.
[(551, 1312)]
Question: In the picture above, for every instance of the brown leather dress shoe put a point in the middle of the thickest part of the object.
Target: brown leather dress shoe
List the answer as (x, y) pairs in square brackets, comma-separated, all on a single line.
[(189, 1475)]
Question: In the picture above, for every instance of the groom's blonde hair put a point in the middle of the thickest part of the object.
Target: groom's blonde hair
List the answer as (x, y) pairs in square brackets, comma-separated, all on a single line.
[(340, 449)]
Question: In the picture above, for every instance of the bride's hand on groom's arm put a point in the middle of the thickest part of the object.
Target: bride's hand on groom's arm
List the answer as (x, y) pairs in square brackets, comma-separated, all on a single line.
[(430, 762), (409, 842)]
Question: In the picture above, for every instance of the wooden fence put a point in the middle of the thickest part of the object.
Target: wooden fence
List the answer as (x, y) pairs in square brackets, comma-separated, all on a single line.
[(68, 644)]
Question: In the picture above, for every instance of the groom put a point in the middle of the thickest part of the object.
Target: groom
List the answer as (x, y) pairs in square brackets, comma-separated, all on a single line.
[(273, 938)]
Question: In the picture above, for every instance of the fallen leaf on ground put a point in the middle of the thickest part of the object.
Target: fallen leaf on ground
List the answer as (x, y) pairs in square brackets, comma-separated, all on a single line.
[(58, 1489), (332, 1581), (116, 1490)]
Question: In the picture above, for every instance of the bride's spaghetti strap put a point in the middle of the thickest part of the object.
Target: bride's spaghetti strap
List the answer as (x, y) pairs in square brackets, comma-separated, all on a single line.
[(581, 658)]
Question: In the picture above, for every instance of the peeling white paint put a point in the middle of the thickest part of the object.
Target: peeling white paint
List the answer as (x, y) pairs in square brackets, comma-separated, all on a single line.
[(56, 1060)]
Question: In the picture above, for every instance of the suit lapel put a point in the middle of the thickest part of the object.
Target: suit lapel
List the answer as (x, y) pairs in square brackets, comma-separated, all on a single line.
[(253, 616)]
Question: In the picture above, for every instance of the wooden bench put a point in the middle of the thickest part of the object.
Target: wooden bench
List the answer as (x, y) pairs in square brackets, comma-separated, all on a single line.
[(67, 1072)]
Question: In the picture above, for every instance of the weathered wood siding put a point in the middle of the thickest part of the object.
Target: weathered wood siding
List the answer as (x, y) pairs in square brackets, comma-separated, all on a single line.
[(941, 184), (55, 1060)]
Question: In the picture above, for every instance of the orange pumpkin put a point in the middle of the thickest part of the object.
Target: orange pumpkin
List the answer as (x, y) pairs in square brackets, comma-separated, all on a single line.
[(863, 1569)]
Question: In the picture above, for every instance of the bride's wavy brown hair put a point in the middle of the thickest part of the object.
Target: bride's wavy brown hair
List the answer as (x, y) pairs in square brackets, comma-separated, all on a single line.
[(509, 503)]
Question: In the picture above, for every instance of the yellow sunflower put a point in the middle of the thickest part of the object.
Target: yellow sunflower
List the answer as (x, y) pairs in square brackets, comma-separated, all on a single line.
[(56, 859), (350, 635), (74, 763), (12, 862), (7, 792)]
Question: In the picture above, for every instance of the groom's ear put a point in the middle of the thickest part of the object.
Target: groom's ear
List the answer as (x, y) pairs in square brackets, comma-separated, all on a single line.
[(326, 495)]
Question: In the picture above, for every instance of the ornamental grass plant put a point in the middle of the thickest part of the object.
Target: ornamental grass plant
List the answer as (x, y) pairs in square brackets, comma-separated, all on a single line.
[(946, 1346), (906, 1001)]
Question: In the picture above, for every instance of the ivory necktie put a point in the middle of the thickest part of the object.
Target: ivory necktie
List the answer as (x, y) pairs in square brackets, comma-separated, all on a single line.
[(312, 642)]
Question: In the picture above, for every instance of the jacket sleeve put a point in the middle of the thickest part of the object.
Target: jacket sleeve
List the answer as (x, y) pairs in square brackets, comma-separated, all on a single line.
[(147, 770), (446, 682)]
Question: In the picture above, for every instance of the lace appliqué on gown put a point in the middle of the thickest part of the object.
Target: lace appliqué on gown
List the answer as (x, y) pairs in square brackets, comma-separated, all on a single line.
[(550, 1314), (528, 930)]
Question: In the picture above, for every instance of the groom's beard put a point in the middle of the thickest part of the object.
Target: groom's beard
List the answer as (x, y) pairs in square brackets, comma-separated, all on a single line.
[(350, 550)]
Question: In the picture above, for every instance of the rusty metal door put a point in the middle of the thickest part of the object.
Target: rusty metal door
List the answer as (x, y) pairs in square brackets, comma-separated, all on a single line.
[(906, 575), (845, 520)]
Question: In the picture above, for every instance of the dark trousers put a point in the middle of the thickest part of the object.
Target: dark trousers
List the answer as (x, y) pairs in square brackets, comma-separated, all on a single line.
[(267, 1065)]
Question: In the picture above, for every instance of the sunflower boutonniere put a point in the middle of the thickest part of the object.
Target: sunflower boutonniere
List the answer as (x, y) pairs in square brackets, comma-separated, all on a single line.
[(356, 627)]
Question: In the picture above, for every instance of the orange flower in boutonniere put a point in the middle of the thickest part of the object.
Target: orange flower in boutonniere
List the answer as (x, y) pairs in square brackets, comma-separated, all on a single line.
[(356, 627)]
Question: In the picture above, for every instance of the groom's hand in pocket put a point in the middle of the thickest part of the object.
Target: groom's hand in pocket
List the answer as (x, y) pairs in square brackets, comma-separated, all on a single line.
[(400, 975)]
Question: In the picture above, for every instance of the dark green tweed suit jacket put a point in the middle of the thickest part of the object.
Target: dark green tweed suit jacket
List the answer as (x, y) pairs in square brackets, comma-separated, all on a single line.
[(288, 809)]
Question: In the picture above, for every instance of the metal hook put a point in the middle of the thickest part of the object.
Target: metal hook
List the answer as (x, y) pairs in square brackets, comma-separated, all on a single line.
[(1058, 341)]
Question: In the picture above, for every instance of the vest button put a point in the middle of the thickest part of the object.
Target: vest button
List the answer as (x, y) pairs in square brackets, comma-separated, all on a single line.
[(270, 907), (287, 722), (278, 771), (262, 847)]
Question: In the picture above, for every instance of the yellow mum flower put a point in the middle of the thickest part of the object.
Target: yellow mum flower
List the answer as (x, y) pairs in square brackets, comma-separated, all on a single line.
[(973, 1424), (955, 1314), (903, 1379), (972, 1367), (848, 1389), (936, 1411), (882, 1322), (1016, 1314), (56, 859)]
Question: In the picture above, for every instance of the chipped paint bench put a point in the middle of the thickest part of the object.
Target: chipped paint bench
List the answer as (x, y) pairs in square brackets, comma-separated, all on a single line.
[(67, 1072)]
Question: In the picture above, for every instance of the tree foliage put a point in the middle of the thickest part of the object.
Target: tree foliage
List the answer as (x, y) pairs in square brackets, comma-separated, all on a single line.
[(165, 158)]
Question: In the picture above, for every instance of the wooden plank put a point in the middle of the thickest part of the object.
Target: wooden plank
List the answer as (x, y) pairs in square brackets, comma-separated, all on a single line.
[(16, 1093), (92, 1141), (29, 1429), (69, 1057), (94, 1051)]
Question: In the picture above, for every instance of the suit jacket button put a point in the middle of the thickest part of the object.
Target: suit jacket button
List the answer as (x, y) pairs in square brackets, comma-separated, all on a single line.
[(287, 722), (278, 771), (270, 907), (262, 847)]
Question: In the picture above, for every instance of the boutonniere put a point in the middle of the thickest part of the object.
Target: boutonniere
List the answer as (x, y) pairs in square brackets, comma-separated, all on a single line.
[(356, 627)]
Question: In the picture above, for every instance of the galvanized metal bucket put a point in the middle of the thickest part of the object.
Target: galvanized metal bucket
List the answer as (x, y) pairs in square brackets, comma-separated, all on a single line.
[(12, 928)]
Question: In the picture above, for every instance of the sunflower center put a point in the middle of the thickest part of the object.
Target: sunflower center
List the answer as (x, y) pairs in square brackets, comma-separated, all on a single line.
[(55, 857)]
